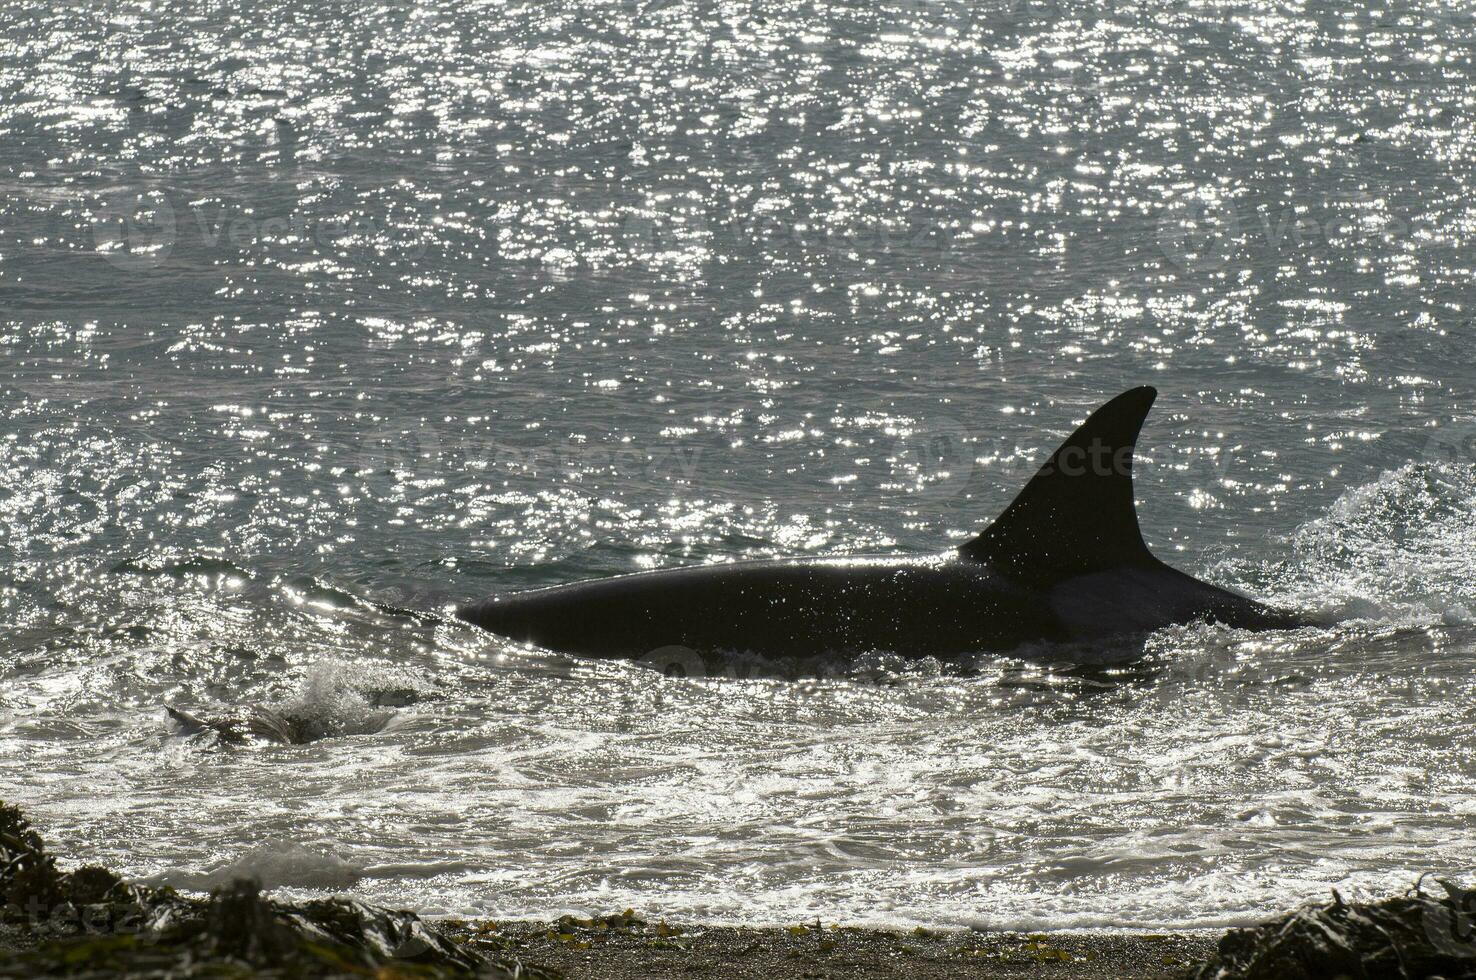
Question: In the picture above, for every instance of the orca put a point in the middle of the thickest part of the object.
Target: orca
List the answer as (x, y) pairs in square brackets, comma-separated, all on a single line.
[(1064, 563)]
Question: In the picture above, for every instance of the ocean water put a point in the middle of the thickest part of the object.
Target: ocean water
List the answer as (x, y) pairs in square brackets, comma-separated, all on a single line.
[(317, 318)]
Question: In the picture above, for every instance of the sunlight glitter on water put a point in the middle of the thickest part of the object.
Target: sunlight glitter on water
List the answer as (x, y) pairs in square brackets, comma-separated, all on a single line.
[(309, 307)]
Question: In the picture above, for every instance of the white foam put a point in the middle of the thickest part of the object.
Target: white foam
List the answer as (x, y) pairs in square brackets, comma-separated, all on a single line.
[(1397, 550), (274, 864), (338, 698)]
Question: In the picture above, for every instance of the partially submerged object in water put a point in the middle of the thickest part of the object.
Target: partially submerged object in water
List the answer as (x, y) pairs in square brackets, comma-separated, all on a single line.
[(259, 724), (253, 724), (1065, 562), (331, 703)]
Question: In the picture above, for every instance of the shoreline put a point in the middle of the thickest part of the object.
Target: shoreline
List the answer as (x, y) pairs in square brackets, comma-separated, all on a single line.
[(585, 949), (627, 947), (87, 922)]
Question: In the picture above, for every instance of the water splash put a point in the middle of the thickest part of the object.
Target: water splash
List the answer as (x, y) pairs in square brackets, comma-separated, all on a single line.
[(274, 864), (1397, 549)]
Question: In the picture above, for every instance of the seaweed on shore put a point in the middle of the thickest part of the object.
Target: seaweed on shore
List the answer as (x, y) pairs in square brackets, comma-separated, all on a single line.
[(89, 923), (28, 875), (1416, 936)]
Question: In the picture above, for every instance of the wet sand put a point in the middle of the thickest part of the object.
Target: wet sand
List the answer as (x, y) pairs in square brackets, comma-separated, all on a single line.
[(660, 951), (724, 953)]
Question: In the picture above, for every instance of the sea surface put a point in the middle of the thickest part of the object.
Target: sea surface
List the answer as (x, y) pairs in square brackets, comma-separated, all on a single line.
[(317, 318)]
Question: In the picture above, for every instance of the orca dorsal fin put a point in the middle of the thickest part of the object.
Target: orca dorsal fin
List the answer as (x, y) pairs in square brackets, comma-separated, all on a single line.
[(1076, 516)]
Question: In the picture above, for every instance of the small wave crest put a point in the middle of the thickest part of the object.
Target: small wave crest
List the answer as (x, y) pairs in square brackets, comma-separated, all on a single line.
[(274, 864)]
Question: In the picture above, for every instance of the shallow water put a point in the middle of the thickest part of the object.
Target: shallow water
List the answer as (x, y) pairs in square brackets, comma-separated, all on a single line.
[(308, 307)]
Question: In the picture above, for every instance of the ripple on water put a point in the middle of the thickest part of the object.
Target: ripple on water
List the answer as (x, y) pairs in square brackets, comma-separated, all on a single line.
[(321, 315)]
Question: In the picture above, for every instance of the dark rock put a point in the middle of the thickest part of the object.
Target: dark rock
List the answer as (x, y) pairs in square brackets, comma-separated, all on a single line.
[(29, 881), (1417, 936), (89, 923), (35, 887), (239, 923), (16, 835), (91, 885)]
